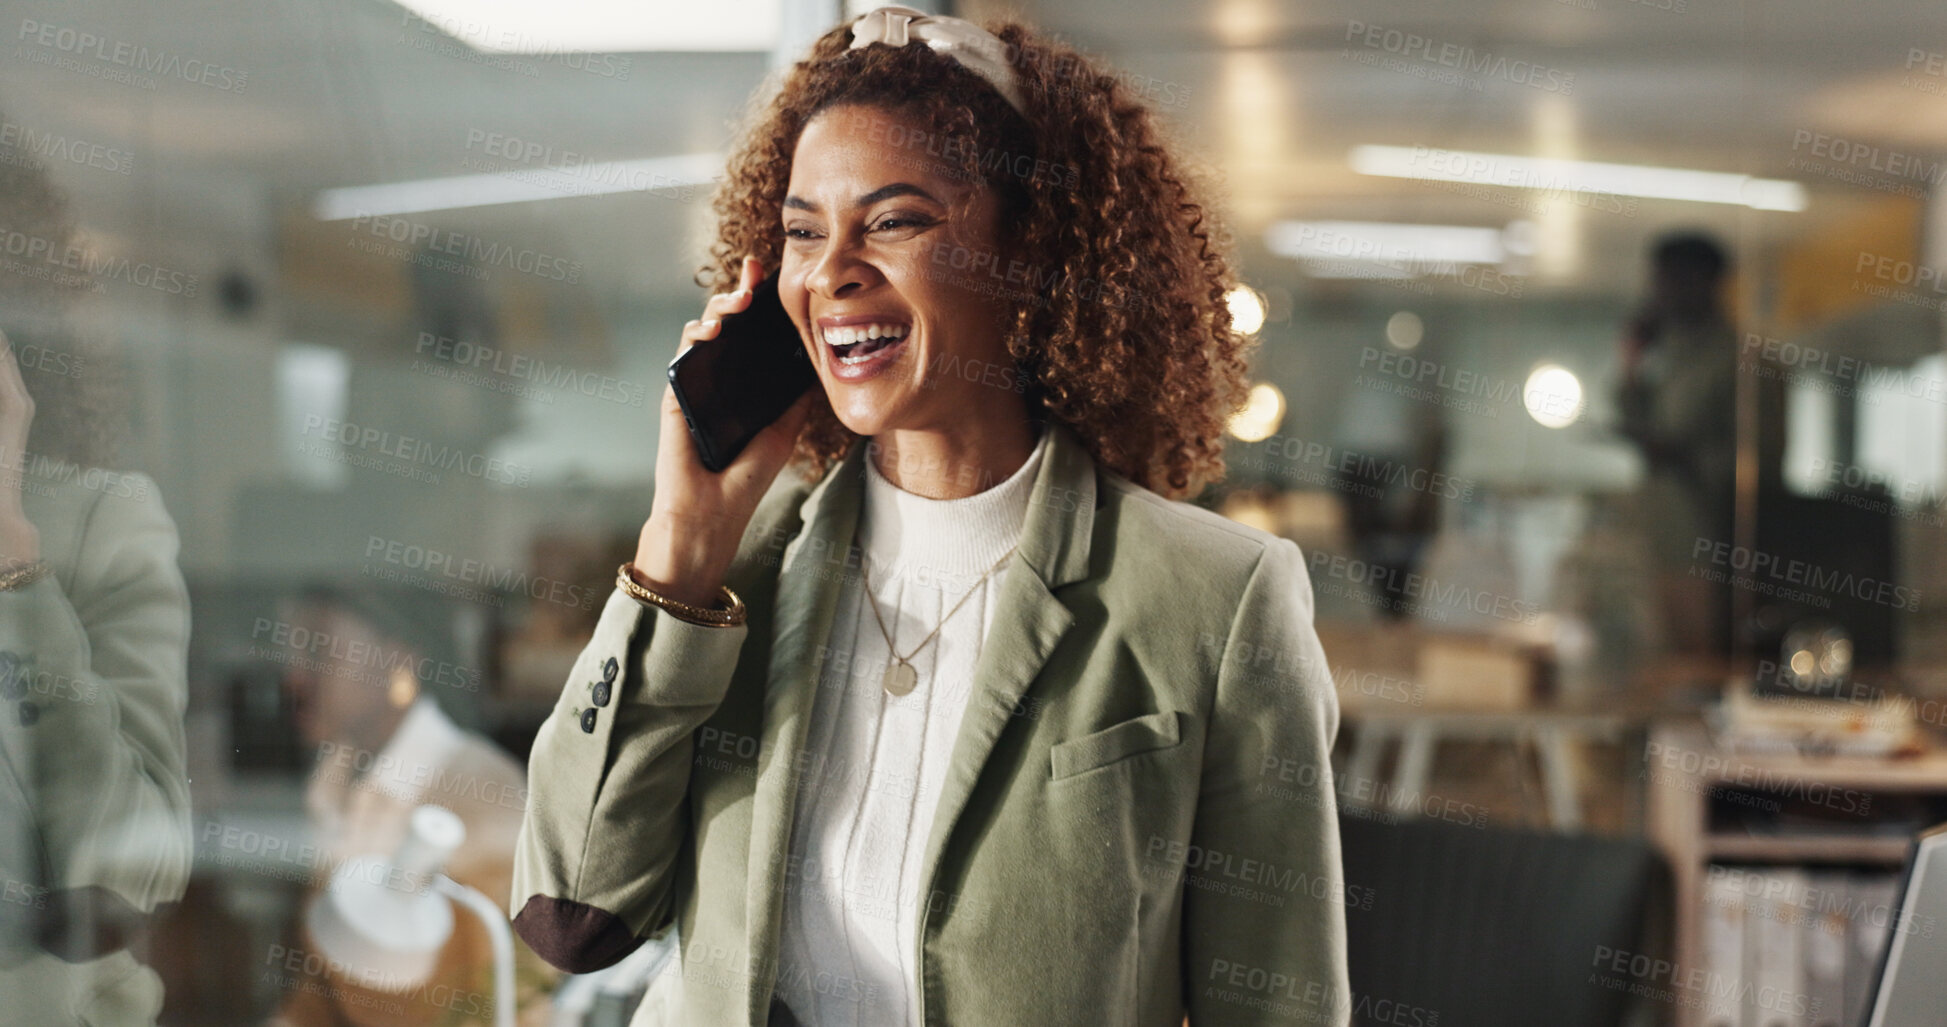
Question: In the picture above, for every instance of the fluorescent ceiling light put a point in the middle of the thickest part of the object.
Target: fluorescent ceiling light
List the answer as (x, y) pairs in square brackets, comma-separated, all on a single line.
[(1578, 176), (517, 185), (1385, 244), (601, 26), (1315, 268)]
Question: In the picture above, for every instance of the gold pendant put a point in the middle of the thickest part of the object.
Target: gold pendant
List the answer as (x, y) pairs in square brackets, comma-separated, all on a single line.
[(900, 678)]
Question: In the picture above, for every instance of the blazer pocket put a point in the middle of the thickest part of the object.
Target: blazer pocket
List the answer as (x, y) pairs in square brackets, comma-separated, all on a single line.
[(1146, 733)]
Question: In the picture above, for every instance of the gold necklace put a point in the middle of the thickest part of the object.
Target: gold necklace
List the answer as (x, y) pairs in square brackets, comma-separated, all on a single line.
[(900, 678)]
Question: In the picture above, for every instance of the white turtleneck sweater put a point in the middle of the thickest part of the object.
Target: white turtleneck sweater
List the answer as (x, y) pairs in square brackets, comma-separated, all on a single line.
[(875, 762)]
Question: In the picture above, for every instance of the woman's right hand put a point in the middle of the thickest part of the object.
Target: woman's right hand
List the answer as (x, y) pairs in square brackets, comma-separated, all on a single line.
[(698, 516)]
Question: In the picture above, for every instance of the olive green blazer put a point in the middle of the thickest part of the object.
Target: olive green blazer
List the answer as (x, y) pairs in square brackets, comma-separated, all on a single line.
[(1137, 823)]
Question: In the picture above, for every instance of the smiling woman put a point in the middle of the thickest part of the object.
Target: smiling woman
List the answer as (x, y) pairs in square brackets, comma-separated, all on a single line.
[(1066, 222), (967, 722)]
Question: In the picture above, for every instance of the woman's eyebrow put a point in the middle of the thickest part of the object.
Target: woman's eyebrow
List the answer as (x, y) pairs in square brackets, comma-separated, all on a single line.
[(884, 192)]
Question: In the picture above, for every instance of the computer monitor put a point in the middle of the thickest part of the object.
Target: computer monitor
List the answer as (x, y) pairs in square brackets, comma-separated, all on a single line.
[(1912, 984)]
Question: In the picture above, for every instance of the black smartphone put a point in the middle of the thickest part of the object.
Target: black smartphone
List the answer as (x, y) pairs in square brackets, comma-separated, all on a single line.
[(733, 386)]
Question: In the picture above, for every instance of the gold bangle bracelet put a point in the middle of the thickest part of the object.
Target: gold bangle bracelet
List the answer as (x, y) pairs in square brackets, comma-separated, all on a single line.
[(23, 576), (732, 614)]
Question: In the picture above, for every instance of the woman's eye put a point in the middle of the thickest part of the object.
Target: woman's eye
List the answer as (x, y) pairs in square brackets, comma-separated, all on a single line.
[(894, 222), (800, 233)]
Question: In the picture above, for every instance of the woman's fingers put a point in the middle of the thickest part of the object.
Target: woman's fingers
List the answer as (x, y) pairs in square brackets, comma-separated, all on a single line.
[(738, 299), (726, 303), (723, 304)]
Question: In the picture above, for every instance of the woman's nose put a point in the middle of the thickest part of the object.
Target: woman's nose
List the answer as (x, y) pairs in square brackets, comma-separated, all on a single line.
[(841, 268)]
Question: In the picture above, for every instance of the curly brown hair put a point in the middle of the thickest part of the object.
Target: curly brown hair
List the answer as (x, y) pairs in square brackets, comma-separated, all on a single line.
[(1133, 347)]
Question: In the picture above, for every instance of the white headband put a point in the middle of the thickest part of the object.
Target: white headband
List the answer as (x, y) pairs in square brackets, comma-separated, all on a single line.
[(977, 49)]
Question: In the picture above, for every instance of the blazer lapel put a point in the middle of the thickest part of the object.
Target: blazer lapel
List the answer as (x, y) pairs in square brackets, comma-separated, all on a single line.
[(808, 590), (1028, 623)]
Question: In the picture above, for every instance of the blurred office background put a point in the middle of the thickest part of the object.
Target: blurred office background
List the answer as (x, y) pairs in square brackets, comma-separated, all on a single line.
[(1627, 566)]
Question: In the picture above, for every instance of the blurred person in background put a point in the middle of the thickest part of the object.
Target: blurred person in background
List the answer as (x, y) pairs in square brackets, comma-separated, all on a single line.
[(939, 726), (94, 635), (359, 694), (1678, 403)]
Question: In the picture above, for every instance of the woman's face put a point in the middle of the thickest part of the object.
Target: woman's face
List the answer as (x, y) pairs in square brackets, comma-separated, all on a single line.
[(884, 258)]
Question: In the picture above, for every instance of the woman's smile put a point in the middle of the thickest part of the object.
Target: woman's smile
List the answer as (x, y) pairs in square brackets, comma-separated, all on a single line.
[(860, 347)]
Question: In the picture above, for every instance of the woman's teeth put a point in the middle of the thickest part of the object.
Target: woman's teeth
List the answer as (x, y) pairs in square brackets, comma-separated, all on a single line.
[(856, 344)]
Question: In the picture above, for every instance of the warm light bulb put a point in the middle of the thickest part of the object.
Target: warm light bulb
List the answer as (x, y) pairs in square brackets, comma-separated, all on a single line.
[(1246, 310), (1553, 396), (1261, 415)]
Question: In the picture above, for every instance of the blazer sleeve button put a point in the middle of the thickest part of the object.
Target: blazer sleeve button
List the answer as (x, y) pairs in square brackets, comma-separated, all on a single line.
[(609, 669), (588, 722), (602, 693)]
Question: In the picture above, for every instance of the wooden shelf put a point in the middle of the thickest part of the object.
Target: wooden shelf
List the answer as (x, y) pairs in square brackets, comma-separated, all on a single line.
[(1805, 849), (1679, 818)]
